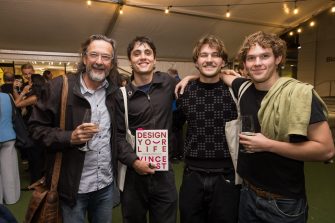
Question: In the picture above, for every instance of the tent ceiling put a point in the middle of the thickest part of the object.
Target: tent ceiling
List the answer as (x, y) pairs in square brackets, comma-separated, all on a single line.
[(62, 25)]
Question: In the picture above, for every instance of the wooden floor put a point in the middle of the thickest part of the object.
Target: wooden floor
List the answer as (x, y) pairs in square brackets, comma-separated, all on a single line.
[(320, 183)]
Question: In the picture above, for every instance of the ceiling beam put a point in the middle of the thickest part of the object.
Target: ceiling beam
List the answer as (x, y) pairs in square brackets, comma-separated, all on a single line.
[(114, 19)]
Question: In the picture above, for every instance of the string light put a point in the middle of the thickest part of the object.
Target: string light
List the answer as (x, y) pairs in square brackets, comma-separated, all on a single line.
[(89, 2), (312, 23), (333, 9), (296, 10), (299, 30), (167, 10), (228, 12), (291, 33), (121, 10), (286, 8)]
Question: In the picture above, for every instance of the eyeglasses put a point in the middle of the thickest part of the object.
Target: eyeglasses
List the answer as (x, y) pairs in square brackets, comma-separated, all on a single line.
[(104, 57)]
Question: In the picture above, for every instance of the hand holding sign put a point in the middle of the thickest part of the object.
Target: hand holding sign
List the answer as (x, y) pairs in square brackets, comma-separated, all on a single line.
[(143, 168)]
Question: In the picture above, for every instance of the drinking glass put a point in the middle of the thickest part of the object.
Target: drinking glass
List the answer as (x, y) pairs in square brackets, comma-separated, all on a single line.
[(88, 119), (247, 128)]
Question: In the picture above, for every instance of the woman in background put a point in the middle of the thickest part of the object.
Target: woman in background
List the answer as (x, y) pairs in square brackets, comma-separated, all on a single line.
[(25, 101), (9, 169)]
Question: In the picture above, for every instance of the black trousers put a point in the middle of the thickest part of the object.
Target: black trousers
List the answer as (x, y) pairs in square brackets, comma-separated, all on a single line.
[(209, 197), (155, 195)]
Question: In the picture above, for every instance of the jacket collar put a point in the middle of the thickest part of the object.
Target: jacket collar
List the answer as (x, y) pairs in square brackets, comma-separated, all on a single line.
[(157, 79)]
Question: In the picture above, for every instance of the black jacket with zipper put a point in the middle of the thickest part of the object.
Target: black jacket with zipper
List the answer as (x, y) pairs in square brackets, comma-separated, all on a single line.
[(152, 110), (44, 127)]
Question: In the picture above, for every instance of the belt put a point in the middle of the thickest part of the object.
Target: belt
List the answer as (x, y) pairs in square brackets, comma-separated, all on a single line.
[(210, 171), (262, 193)]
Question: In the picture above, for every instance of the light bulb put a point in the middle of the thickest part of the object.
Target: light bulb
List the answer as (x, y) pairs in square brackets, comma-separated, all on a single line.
[(227, 14), (291, 33), (167, 10), (312, 23), (299, 30), (89, 2), (295, 11), (333, 9)]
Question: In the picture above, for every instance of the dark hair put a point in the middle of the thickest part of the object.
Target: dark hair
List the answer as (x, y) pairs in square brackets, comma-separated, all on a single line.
[(8, 77), (84, 46), (18, 76), (27, 66), (172, 71), (123, 77), (46, 73), (38, 87), (265, 40), (141, 40), (213, 42)]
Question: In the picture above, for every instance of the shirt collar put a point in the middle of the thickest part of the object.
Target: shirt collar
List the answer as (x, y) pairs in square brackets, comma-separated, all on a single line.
[(85, 90)]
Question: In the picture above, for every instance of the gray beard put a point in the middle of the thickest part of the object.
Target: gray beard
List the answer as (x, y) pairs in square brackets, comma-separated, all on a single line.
[(94, 77)]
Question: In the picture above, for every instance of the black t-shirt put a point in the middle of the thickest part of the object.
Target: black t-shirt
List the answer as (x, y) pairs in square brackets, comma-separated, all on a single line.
[(266, 170)]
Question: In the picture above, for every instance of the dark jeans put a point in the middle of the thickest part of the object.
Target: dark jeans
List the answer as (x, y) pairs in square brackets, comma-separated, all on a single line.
[(97, 204), (256, 209), (156, 194), (209, 197), (6, 216)]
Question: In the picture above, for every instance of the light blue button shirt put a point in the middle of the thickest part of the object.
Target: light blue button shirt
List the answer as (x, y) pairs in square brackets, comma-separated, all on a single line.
[(97, 172), (7, 132)]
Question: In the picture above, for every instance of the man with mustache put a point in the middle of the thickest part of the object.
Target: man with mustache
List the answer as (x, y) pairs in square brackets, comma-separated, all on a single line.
[(208, 192), (89, 156)]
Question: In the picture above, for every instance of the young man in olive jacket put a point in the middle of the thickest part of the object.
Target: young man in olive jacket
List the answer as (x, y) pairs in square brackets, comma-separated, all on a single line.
[(89, 154)]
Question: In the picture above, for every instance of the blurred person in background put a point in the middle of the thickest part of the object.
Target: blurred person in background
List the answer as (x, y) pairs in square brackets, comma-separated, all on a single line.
[(124, 79), (7, 87), (29, 96), (27, 70), (17, 85), (9, 171), (47, 75)]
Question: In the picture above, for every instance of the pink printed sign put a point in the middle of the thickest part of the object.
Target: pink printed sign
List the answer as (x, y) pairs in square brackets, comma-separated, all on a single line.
[(152, 147)]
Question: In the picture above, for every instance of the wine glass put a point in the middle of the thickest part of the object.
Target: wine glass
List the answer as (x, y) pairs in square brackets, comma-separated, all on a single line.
[(247, 128), (94, 120)]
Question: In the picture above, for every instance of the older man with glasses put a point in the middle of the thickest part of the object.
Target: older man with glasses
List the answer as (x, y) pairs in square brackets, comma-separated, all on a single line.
[(89, 154)]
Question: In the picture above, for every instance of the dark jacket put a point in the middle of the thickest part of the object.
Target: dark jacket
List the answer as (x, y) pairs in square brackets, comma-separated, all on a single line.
[(145, 111), (44, 127)]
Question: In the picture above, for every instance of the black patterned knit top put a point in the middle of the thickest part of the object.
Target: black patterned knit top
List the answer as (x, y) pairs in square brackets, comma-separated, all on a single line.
[(206, 108)]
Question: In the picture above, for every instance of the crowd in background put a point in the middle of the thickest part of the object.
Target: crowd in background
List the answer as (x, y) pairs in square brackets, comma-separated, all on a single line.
[(102, 119)]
